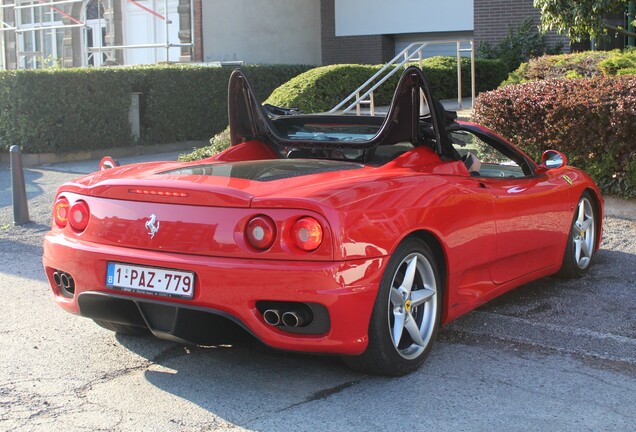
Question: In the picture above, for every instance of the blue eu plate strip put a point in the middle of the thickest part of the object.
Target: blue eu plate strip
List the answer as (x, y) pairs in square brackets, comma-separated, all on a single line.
[(110, 274)]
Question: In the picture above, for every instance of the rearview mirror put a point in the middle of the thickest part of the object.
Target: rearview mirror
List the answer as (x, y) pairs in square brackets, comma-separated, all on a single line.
[(551, 159)]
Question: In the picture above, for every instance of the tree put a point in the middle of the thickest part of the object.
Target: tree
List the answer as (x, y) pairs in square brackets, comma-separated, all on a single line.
[(581, 19), (519, 46)]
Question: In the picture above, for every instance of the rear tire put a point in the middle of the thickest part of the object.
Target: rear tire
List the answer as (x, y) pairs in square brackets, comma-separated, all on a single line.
[(406, 313), (582, 239), (123, 328)]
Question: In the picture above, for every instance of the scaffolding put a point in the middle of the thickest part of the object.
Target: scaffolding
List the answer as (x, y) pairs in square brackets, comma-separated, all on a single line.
[(44, 33)]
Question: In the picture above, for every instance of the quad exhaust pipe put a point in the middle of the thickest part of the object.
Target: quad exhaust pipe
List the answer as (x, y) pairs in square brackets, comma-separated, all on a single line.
[(293, 318), (64, 281), (272, 317), (57, 279)]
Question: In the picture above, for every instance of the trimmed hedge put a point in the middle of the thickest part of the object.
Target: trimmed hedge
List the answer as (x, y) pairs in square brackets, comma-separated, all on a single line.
[(585, 64), (322, 88), (591, 120), (57, 111), (66, 110)]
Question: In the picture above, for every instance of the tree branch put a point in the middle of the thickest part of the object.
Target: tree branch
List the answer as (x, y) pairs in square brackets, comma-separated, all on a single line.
[(620, 30)]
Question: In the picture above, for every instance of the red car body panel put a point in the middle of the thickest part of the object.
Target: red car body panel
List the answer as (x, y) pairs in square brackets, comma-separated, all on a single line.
[(494, 234)]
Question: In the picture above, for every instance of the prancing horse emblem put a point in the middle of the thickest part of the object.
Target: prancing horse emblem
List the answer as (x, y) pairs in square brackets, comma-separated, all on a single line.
[(152, 228)]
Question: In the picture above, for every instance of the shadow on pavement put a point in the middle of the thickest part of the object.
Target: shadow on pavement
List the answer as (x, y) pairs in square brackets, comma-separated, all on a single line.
[(31, 179), (238, 382)]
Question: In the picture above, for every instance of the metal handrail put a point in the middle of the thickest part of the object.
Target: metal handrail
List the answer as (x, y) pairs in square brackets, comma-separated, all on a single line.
[(406, 58), (155, 45)]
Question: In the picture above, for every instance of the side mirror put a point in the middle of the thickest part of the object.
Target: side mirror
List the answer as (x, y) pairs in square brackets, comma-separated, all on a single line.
[(551, 159)]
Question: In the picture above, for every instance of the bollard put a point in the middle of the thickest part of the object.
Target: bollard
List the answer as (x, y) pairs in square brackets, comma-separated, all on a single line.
[(20, 206)]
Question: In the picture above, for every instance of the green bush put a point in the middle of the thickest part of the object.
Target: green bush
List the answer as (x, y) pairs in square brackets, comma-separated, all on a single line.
[(521, 44), (591, 120), (66, 110), (218, 143), (577, 65), (619, 63), (442, 75), (321, 89)]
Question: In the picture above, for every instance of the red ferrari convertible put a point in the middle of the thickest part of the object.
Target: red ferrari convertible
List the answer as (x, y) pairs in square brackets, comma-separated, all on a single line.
[(348, 235)]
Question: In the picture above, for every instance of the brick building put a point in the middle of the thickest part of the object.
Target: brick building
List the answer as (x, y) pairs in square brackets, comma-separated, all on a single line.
[(482, 20), (494, 18)]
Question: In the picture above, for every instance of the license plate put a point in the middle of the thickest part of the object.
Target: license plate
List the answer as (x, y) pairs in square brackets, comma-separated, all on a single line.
[(152, 280)]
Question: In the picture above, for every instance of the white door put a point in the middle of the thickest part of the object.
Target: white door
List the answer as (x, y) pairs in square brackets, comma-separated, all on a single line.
[(148, 27)]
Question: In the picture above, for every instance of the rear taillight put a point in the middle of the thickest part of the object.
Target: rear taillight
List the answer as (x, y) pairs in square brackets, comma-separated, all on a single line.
[(307, 234), (60, 212), (79, 215), (261, 232)]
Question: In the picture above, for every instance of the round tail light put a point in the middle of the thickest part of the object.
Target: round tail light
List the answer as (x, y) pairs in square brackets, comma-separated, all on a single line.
[(261, 232), (79, 216), (60, 212), (307, 233)]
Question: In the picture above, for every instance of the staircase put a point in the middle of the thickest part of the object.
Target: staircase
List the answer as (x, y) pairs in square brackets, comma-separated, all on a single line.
[(363, 95)]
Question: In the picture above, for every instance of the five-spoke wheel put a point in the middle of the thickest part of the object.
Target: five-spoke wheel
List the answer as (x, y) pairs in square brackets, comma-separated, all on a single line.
[(406, 313), (412, 305), (584, 233), (582, 239)]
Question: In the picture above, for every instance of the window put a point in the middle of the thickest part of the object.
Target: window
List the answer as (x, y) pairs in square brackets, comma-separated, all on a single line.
[(40, 45), (497, 160)]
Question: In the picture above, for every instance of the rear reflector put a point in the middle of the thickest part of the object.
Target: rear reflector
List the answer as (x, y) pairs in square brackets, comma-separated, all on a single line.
[(60, 212)]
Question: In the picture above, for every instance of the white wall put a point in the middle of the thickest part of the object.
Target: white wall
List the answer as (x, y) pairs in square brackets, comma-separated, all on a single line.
[(141, 28), (266, 32), (371, 17)]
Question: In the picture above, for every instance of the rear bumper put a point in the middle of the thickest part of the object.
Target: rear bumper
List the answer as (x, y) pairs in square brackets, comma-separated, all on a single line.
[(224, 287)]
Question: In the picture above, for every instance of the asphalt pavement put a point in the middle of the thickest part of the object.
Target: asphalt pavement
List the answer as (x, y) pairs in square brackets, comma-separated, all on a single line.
[(551, 355)]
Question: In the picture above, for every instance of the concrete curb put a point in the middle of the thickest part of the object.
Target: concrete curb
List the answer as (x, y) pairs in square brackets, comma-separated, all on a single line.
[(620, 208), (36, 159)]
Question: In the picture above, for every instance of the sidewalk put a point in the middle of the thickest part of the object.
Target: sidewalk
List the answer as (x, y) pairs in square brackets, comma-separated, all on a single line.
[(43, 159), (92, 165)]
